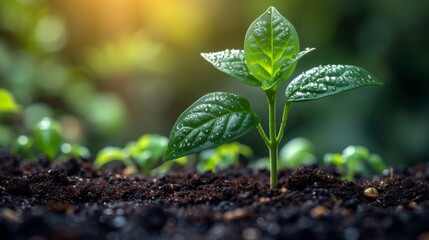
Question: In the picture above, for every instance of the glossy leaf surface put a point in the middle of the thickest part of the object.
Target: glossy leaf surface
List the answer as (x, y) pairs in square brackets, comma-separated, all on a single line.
[(270, 42), (285, 69), (214, 119), (232, 63), (327, 80)]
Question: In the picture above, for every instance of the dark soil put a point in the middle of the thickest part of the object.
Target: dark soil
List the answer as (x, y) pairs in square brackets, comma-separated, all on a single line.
[(71, 200)]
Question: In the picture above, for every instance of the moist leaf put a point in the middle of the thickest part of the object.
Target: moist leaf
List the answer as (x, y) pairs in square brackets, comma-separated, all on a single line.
[(270, 42), (232, 63), (327, 80), (211, 121)]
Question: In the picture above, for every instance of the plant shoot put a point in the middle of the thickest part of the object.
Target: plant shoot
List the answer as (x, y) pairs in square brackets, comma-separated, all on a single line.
[(271, 52)]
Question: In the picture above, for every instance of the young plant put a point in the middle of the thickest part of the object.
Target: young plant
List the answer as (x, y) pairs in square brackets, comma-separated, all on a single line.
[(355, 160), (271, 52), (141, 156), (47, 137), (222, 157)]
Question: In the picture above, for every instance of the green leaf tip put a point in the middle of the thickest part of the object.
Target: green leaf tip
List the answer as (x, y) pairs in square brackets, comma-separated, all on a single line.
[(270, 42), (211, 121), (327, 80), (232, 63)]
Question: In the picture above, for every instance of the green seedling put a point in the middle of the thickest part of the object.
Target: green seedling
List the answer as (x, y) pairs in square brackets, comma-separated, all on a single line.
[(222, 157), (295, 153), (355, 160), (23, 146), (271, 52), (7, 102), (47, 137), (74, 150), (141, 156)]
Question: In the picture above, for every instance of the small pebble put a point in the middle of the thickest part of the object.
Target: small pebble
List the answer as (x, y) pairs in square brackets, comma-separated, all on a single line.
[(264, 200), (412, 205), (234, 214), (318, 212), (371, 193)]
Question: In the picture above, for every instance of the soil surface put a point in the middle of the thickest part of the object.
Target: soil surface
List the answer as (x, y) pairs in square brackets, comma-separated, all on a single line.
[(71, 200)]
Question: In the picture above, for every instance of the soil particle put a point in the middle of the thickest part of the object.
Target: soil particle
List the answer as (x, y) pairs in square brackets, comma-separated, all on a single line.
[(71, 200)]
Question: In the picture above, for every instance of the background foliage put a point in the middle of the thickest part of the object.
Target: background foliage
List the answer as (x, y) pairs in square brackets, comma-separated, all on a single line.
[(111, 71)]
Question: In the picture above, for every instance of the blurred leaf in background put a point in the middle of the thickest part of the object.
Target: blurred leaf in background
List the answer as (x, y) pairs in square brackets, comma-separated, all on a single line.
[(7, 103), (131, 53)]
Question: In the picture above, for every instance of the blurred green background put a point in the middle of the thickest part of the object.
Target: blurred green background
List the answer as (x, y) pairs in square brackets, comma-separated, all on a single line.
[(111, 71)]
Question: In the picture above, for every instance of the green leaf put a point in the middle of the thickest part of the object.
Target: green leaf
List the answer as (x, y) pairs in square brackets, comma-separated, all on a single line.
[(327, 80), (333, 158), (166, 166), (283, 73), (7, 103), (214, 119), (232, 62), (110, 154), (47, 137), (23, 146), (75, 150), (296, 152), (270, 42), (223, 156), (150, 147), (376, 163)]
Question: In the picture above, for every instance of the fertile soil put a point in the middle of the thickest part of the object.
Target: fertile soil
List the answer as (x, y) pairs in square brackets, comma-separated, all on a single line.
[(71, 200)]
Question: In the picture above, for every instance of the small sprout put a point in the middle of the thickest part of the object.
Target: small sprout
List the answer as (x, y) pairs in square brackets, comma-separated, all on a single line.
[(222, 157), (371, 193), (271, 52), (355, 160), (110, 154), (23, 146), (295, 153), (47, 137), (74, 150), (141, 156)]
